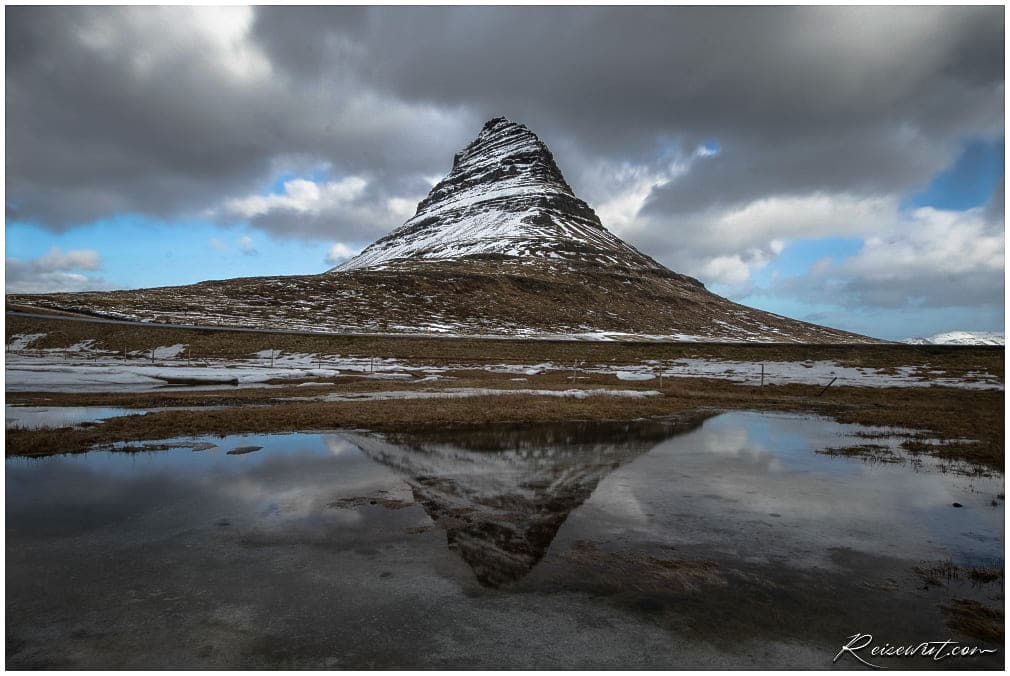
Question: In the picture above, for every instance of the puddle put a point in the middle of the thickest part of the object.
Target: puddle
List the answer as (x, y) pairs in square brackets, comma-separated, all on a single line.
[(50, 417), (39, 417), (717, 541)]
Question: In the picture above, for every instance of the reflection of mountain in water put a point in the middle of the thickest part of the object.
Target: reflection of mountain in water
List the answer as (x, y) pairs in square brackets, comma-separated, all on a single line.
[(502, 493)]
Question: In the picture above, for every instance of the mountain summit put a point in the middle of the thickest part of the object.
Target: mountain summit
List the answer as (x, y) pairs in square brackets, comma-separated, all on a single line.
[(500, 247), (505, 198)]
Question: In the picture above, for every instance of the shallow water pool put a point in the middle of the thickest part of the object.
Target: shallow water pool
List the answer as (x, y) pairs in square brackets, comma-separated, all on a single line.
[(713, 540)]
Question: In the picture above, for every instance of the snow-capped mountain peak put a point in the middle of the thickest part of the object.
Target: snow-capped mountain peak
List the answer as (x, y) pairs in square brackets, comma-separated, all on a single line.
[(961, 338), (505, 197)]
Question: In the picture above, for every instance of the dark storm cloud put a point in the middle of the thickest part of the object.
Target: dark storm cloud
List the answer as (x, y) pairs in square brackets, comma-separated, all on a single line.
[(123, 109), (818, 97), (116, 110)]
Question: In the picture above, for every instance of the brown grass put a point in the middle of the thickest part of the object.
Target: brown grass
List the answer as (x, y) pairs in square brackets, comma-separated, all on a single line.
[(477, 352), (942, 572), (973, 619), (470, 295), (969, 424), (867, 452)]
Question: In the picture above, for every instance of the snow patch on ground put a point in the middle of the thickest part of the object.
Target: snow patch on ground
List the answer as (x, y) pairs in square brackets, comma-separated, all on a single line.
[(169, 351), (94, 371), (23, 340), (634, 375), (40, 374), (807, 373)]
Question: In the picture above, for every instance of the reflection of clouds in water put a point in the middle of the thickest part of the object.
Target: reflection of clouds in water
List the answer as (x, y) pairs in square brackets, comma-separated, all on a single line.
[(811, 484), (266, 500), (736, 442), (722, 483), (617, 498), (338, 446), (282, 488)]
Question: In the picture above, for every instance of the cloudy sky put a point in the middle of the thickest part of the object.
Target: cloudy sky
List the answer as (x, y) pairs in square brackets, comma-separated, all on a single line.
[(843, 166)]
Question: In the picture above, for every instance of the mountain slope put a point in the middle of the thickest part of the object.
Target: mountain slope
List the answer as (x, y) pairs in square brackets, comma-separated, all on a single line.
[(501, 246)]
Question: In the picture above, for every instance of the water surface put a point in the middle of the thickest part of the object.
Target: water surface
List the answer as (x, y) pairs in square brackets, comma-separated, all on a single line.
[(712, 541), (47, 417)]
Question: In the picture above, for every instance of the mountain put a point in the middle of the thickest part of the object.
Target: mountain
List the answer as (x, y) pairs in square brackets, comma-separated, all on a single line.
[(960, 338), (505, 199), (501, 246)]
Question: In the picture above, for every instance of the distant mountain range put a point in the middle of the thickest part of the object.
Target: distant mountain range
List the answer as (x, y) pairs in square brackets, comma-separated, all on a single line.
[(960, 338), (501, 246)]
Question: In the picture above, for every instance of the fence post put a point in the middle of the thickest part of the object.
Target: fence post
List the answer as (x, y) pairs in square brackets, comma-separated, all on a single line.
[(827, 386)]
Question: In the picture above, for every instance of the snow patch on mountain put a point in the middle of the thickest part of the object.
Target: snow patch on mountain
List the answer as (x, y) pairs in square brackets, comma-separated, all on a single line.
[(960, 338)]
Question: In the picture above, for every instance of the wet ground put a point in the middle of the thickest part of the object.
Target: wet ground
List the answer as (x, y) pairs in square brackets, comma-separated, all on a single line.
[(724, 540)]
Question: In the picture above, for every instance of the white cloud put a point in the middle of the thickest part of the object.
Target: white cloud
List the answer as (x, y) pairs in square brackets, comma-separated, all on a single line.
[(928, 257), (921, 257), (403, 209), (55, 259), (55, 271), (246, 246), (352, 208), (217, 244), (623, 189), (300, 195), (221, 35), (930, 241), (924, 258), (762, 222), (728, 244), (339, 252), (631, 186), (730, 270)]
